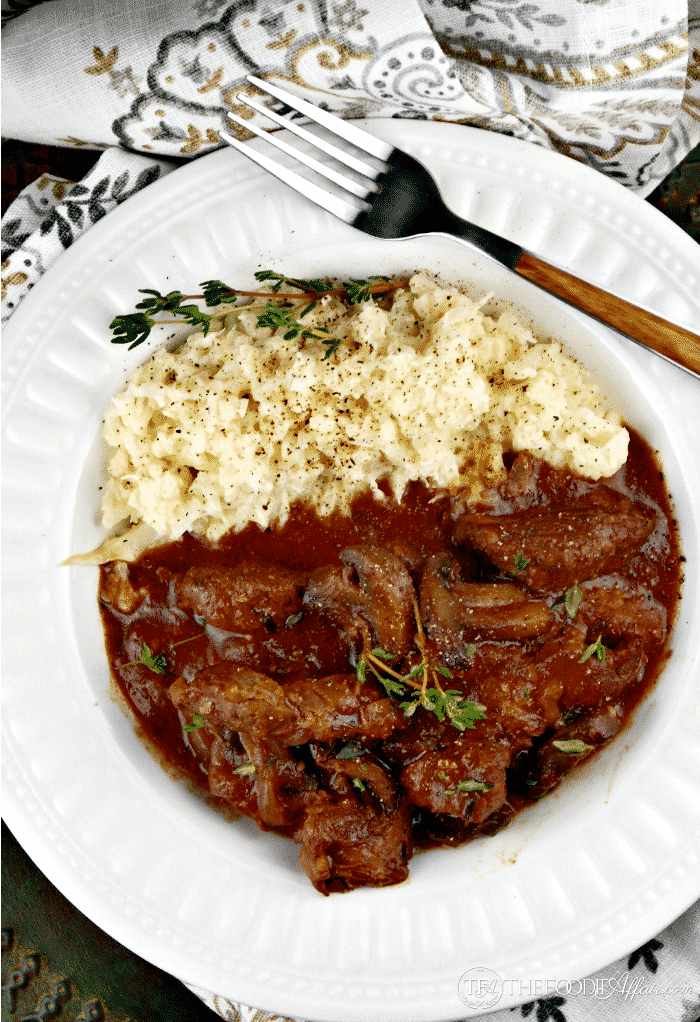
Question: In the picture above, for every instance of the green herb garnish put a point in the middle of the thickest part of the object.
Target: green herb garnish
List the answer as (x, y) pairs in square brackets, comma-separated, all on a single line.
[(573, 745), (315, 286), (571, 601), (216, 293), (596, 648), (197, 722), (158, 664), (134, 328), (360, 290), (521, 561), (447, 704), (462, 713), (351, 750), (383, 654), (245, 770), (467, 786)]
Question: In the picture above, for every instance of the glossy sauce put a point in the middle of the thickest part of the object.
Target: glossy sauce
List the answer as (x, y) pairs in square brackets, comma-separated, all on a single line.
[(311, 645)]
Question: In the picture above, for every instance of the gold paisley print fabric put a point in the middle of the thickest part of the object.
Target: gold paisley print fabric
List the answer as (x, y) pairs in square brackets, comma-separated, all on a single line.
[(610, 83)]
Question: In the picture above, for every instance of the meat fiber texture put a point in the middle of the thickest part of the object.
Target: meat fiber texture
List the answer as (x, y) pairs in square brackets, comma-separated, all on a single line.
[(234, 427)]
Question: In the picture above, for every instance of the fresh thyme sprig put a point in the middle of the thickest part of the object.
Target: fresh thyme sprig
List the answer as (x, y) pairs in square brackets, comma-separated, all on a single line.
[(444, 703), (158, 664), (134, 328)]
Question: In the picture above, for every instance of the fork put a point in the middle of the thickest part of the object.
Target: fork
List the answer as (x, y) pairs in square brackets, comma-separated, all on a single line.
[(389, 194)]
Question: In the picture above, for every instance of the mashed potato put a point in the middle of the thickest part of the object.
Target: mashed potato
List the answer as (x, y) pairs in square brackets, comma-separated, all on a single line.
[(234, 427)]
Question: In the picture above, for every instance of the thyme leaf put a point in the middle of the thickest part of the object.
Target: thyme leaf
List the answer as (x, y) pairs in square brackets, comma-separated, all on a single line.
[(132, 329), (383, 654), (467, 786), (158, 664), (575, 746), (596, 648), (217, 293), (391, 687), (279, 279), (521, 561), (197, 722), (351, 750), (571, 601), (360, 290)]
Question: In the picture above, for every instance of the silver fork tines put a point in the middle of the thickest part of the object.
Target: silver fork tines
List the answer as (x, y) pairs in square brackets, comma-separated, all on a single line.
[(368, 169), (350, 132), (357, 188), (347, 211), (361, 166)]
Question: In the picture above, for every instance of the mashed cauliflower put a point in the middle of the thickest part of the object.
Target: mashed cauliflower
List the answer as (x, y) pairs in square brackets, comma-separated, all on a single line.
[(236, 426)]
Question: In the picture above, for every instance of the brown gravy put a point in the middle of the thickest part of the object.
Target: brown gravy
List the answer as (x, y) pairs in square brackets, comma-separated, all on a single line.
[(352, 795)]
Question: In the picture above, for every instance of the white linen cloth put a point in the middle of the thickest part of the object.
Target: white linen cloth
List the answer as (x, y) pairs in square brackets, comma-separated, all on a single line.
[(612, 83)]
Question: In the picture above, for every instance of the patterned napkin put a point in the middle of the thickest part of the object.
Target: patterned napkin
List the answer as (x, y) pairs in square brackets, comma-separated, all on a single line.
[(51, 213), (614, 84)]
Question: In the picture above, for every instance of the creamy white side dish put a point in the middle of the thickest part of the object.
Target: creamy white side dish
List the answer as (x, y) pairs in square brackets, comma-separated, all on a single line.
[(235, 426)]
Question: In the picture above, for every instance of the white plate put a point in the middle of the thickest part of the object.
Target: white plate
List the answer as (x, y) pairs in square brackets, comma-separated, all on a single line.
[(592, 872)]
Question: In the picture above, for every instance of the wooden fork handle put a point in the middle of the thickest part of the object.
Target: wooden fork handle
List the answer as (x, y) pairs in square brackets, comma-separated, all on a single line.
[(675, 342)]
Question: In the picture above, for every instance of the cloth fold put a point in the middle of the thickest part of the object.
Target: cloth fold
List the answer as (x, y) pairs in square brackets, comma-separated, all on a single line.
[(51, 213)]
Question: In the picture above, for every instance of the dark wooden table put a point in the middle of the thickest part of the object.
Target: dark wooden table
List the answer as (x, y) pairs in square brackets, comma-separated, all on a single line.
[(52, 956)]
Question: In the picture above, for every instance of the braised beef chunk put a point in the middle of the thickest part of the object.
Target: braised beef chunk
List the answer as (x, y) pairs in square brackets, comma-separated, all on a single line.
[(508, 682), (227, 695), (347, 843), (353, 766), (229, 776), (569, 746), (370, 598), (550, 550), (320, 709), (618, 608), (586, 680), (242, 597), (456, 613), (514, 641), (281, 782), (467, 778)]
